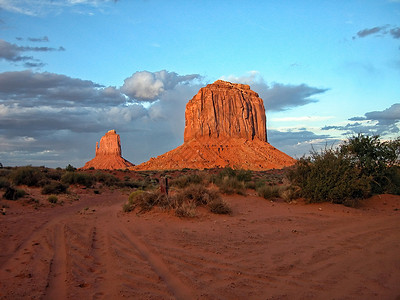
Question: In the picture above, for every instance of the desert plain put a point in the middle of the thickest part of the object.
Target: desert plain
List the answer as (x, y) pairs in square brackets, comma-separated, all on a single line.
[(88, 248)]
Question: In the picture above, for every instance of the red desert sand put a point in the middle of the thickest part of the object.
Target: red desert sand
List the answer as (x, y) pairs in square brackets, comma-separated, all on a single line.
[(90, 249)]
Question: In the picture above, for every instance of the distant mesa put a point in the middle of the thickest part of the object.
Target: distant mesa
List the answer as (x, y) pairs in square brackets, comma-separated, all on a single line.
[(108, 154), (225, 126)]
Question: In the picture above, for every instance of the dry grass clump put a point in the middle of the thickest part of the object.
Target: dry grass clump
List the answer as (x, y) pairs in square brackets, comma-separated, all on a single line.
[(145, 201), (184, 202), (52, 199), (230, 181), (186, 209), (269, 191)]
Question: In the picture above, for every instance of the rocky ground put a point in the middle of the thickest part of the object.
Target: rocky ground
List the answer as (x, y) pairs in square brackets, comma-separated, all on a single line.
[(88, 248)]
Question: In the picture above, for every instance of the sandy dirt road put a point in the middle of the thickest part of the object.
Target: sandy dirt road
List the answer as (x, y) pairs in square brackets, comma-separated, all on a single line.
[(90, 249)]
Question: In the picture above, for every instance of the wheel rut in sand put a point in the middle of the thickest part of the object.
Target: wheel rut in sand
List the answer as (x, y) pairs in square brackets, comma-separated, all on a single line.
[(56, 286), (174, 284)]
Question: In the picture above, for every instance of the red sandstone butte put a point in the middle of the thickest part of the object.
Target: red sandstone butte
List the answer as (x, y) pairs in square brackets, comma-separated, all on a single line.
[(225, 126), (108, 154)]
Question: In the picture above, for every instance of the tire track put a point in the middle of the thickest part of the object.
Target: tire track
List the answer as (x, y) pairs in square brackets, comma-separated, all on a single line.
[(56, 288), (174, 284)]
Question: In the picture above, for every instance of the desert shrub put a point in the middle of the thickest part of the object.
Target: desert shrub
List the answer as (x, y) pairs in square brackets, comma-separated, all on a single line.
[(77, 178), (199, 194), (28, 175), (250, 185), (54, 187), (145, 201), (54, 174), (244, 175), (231, 185), (375, 159), (394, 184), (186, 180), (106, 179), (290, 193), (70, 168), (186, 209), (269, 191), (329, 176), (52, 199), (218, 206), (13, 193), (139, 184), (232, 181), (4, 182)]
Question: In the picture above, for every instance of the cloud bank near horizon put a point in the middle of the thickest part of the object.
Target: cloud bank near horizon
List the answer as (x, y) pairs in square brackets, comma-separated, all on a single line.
[(56, 119)]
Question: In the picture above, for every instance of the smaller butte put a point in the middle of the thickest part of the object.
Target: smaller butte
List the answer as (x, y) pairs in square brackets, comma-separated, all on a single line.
[(108, 154)]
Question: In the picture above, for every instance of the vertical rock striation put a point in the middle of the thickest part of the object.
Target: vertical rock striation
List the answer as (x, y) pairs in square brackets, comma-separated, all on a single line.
[(225, 126), (225, 109)]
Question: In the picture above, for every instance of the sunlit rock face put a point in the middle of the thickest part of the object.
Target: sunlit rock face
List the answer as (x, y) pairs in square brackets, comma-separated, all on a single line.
[(225, 126), (108, 154), (225, 109)]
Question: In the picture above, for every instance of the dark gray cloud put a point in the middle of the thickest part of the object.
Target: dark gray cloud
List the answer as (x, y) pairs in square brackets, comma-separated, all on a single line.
[(379, 31), (149, 86), (385, 122), (52, 119), (34, 39), (28, 89), (14, 53), (279, 96), (293, 142), (40, 39), (395, 32), (389, 116)]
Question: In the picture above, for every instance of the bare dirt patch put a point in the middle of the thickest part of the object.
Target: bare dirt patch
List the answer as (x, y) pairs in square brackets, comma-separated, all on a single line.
[(88, 248)]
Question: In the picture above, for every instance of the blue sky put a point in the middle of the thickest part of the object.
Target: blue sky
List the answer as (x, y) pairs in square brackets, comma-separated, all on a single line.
[(72, 70)]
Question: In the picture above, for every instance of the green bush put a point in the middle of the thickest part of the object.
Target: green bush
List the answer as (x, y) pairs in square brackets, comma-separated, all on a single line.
[(54, 187), (231, 185), (77, 178), (13, 193), (54, 174), (329, 176), (375, 159), (106, 179), (244, 175), (52, 199), (70, 168), (4, 182), (232, 181), (28, 175)]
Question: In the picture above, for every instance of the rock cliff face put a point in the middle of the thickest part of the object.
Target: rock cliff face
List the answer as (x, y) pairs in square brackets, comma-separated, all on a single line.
[(225, 109), (225, 125), (108, 154)]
